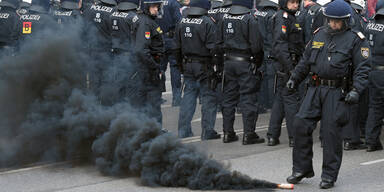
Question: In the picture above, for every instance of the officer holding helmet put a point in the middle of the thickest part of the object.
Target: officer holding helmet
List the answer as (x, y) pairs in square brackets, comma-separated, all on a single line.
[(376, 88), (195, 41), (241, 44), (287, 48), (9, 26), (337, 60), (149, 50)]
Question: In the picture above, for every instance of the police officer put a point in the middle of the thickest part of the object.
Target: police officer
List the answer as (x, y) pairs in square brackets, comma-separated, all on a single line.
[(9, 28), (265, 12), (149, 50), (240, 40), (124, 23), (171, 15), (376, 84), (99, 44), (288, 44), (337, 59), (68, 12), (37, 21), (195, 41), (311, 8), (359, 112)]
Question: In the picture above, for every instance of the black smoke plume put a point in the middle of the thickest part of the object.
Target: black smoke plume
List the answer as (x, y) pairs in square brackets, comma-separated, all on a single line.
[(48, 114)]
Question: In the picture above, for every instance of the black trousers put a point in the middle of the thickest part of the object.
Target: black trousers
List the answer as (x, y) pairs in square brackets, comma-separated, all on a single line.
[(240, 87), (285, 105), (376, 108), (323, 104)]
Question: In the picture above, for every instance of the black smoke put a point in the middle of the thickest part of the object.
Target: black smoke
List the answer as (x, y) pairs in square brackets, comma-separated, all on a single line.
[(49, 114)]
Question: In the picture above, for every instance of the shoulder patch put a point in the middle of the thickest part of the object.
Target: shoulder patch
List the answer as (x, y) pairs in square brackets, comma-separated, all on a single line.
[(365, 52), (285, 15)]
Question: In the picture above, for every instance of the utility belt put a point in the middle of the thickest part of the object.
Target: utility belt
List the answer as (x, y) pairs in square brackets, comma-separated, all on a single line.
[(315, 81), (231, 57), (378, 67), (196, 59), (170, 34)]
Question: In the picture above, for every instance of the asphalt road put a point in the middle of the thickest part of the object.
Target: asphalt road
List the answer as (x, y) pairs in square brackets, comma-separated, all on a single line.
[(360, 171)]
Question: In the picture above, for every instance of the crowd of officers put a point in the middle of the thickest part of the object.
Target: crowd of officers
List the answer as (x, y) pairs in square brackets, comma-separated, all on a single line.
[(307, 61)]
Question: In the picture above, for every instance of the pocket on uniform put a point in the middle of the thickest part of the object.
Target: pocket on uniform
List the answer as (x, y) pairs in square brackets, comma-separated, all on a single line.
[(340, 59), (313, 57), (342, 113)]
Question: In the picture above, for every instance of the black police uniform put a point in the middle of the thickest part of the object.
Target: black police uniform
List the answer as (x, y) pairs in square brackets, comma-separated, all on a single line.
[(9, 26), (195, 41), (359, 111), (267, 9), (124, 23), (97, 35), (149, 49), (332, 60), (288, 44), (375, 31), (240, 40)]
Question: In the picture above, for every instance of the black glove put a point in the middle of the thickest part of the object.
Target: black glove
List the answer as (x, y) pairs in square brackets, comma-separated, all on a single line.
[(291, 85), (352, 97)]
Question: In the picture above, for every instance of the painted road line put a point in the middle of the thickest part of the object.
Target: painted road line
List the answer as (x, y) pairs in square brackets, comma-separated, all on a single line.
[(35, 167), (372, 162), (218, 116)]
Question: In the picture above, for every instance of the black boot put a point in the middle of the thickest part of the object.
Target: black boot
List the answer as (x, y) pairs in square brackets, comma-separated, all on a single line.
[(296, 177), (326, 184), (273, 141), (230, 137), (252, 138)]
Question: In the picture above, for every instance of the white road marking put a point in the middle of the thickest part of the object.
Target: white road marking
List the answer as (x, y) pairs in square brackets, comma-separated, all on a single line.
[(34, 167), (218, 116), (372, 162)]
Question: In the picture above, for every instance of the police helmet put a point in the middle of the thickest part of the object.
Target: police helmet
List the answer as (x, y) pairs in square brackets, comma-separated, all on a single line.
[(109, 2), (358, 4), (216, 3), (25, 3), (125, 5), (70, 4), (338, 9), (240, 7), (227, 3), (283, 5), (40, 6), (199, 7), (10, 3), (323, 2), (145, 6), (379, 8), (269, 3)]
